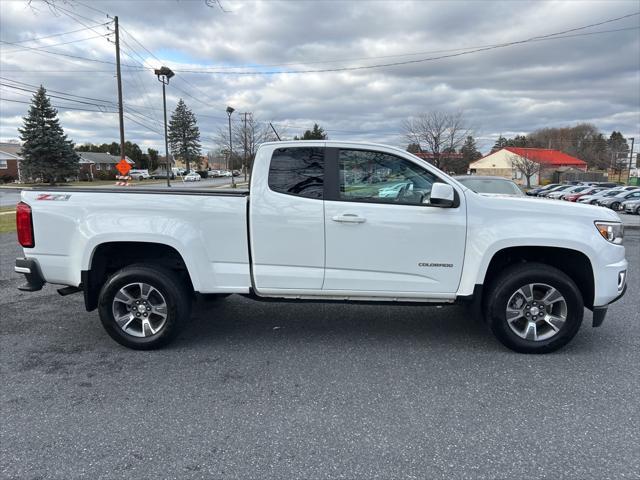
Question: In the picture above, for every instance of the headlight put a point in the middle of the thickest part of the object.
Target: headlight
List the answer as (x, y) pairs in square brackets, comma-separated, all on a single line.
[(612, 232)]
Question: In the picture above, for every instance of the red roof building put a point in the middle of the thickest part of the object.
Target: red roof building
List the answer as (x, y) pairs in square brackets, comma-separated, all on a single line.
[(548, 157), (501, 163)]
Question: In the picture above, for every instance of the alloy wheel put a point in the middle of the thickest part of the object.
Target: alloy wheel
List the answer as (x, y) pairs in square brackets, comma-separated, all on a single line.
[(536, 312), (139, 309)]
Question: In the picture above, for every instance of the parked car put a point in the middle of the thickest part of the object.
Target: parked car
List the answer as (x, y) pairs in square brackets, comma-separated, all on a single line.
[(297, 237), (536, 191), (631, 206), (574, 196), (139, 174), (490, 185), (192, 177), (608, 184), (162, 173), (614, 202), (558, 194), (236, 173), (592, 199), (561, 188)]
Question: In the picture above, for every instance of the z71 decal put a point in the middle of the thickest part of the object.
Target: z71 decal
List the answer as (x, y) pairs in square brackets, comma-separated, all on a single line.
[(56, 197)]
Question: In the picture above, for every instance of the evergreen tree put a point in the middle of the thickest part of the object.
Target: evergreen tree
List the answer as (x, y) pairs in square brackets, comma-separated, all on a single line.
[(46, 152), (618, 150), (500, 143), (469, 151), (184, 134), (518, 141), (317, 133)]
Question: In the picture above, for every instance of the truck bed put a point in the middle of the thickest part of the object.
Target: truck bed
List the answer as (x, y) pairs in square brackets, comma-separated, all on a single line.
[(234, 192), (207, 227)]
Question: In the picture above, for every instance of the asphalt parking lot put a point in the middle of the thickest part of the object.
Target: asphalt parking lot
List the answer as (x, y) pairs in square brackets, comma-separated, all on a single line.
[(269, 390)]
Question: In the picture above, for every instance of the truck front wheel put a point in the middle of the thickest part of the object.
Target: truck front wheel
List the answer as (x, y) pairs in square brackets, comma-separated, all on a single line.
[(143, 306), (534, 308)]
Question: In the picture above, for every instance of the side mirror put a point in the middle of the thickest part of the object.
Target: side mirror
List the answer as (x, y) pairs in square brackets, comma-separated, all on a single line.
[(442, 195)]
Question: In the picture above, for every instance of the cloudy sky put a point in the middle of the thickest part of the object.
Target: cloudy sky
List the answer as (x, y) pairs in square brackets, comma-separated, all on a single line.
[(249, 54)]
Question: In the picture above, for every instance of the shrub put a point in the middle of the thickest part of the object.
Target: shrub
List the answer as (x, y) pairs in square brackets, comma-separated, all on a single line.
[(105, 175), (7, 178)]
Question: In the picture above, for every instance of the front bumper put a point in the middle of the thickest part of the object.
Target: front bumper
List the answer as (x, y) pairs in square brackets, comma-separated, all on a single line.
[(31, 271), (599, 313)]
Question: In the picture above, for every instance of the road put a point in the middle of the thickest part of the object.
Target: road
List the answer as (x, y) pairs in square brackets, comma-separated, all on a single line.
[(11, 196), (269, 390)]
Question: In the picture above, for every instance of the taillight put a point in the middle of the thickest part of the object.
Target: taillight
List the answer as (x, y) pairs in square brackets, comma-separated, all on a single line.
[(24, 225)]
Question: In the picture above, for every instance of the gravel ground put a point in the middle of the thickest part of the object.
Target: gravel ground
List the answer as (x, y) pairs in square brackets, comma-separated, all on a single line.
[(269, 390)]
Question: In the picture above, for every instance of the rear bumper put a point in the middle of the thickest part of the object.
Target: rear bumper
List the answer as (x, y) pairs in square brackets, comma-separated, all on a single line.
[(31, 271)]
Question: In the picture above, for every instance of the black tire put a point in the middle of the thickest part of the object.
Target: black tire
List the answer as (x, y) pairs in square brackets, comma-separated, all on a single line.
[(517, 276), (638, 210), (176, 296)]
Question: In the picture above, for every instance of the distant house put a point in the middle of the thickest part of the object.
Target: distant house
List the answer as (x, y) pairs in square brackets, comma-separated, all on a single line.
[(501, 163), (93, 162), (10, 162)]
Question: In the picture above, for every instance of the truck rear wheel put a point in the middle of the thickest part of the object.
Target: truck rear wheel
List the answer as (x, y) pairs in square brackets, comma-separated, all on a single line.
[(534, 308), (143, 306)]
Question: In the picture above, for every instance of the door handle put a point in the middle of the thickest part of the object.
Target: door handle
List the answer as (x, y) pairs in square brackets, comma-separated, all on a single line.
[(348, 218)]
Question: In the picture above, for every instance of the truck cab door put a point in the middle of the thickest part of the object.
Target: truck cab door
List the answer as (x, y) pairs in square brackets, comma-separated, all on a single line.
[(383, 235), (287, 219)]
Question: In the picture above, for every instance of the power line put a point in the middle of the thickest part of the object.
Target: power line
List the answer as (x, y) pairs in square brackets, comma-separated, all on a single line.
[(60, 34), (23, 47), (63, 107), (398, 55), (552, 36), (141, 45), (57, 91), (128, 117), (42, 51), (53, 96)]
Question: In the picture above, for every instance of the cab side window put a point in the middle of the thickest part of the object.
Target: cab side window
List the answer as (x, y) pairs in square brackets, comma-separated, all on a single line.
[(298, 171), (368, 176)]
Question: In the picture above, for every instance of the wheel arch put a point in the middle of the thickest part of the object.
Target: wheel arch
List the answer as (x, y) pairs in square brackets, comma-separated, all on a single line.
[(109, 257), (572, 262)]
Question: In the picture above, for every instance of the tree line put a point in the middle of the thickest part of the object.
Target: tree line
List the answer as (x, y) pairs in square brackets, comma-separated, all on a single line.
[(583, 141), (49, 155)]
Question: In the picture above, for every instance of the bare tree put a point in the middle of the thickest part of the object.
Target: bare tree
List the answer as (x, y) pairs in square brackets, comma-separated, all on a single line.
[(526, 166), (437, 132), (246, 137)]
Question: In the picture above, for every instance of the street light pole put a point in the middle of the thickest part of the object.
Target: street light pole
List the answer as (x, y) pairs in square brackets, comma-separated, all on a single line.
[(164, 74), (230, 110), (630, 161)]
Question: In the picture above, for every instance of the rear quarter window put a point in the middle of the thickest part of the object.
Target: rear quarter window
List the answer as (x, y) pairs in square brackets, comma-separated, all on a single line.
[(298, 171)]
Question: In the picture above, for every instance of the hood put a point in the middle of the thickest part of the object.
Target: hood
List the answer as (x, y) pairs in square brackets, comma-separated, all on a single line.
[(541, 208)]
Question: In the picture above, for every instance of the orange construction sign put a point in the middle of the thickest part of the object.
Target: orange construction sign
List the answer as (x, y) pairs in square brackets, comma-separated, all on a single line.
[(123, 167)]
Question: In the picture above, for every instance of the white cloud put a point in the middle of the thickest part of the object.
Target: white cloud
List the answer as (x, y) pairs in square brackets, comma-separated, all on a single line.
[(517, 89)]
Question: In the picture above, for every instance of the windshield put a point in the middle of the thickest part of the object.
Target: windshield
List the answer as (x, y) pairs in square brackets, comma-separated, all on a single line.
[(490, 185)]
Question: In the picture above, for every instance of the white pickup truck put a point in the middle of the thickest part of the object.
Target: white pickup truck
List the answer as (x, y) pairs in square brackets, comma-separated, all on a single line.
[(326, 221)]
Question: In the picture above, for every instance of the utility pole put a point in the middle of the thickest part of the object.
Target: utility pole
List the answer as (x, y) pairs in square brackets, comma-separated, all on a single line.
[(119, 77), (630, 161), (244, 114)]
